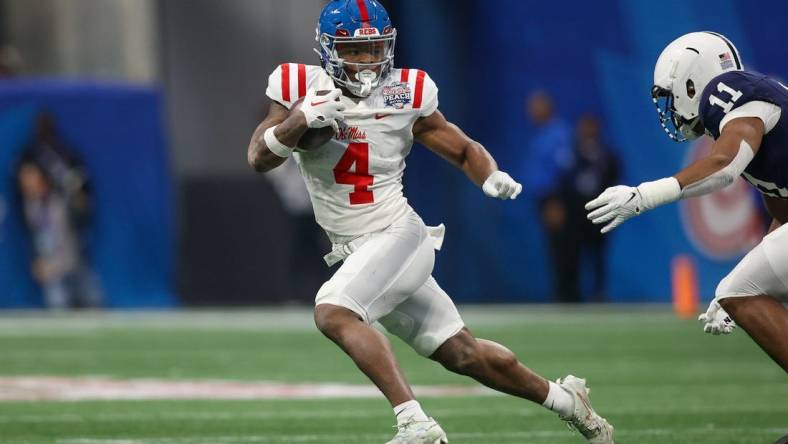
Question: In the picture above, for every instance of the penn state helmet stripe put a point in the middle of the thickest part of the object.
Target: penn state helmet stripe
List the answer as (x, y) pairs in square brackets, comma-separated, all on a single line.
[(286, 82), (419, 89), (301, 80), (403, 77), (730, 46)]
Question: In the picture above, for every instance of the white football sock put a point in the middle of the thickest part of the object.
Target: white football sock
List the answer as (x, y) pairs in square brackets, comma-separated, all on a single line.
[(559, 400), (409, 409)]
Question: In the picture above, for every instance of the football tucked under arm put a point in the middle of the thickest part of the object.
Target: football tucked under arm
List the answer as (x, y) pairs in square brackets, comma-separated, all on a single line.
[(313, 137)]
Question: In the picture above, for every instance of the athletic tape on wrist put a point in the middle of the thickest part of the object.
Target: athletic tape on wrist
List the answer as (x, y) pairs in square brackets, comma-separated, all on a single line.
[(659, 192), (274, 145)]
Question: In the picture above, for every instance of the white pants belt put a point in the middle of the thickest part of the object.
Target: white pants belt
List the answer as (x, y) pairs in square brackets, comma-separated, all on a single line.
[(340, 252)]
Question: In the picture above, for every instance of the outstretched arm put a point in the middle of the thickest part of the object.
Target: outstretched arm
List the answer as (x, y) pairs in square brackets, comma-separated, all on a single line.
[(732, 152), (735, 148), (450, 142)]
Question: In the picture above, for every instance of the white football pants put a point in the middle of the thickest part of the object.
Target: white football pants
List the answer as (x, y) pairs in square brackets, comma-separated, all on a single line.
[(763, 271), (387, 278)]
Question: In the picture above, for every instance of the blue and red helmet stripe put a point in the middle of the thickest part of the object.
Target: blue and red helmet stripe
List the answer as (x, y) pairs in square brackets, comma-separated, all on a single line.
[(343, 17), (351, 21)]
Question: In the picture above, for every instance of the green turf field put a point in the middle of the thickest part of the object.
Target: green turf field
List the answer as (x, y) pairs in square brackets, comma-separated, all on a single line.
[(656, 379)]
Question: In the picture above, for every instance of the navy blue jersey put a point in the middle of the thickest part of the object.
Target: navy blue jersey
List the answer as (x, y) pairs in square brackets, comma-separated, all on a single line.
[(768, 171)]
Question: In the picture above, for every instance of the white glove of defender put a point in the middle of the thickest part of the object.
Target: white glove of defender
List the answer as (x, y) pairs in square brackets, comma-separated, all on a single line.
[(322, 111), (716, 320), (501, 185), (619, 203), (616, 204)]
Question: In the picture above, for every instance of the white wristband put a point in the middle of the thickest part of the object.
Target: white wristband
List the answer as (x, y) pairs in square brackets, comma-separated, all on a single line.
[(659, 192), (274, 145)]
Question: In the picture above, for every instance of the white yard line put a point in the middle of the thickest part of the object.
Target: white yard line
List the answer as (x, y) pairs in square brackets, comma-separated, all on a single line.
[(55, 388), (35, 388)]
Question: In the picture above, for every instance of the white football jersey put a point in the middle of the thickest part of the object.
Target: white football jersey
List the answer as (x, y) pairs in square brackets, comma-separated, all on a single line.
[(355, 180)]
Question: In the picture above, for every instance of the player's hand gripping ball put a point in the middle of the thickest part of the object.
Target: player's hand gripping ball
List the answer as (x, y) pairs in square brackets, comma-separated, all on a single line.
[(322, 109)]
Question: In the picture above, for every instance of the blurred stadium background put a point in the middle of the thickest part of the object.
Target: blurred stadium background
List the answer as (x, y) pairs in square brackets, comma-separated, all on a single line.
[(159, 98)]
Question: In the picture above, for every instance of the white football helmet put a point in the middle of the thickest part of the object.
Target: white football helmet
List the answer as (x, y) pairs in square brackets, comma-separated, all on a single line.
[(682, 71)]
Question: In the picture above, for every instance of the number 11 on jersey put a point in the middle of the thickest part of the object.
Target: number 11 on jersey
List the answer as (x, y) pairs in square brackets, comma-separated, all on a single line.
[(356, 153)]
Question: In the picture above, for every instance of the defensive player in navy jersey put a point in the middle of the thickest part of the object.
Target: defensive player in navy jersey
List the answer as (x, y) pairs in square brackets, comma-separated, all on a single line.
[(701, 87)]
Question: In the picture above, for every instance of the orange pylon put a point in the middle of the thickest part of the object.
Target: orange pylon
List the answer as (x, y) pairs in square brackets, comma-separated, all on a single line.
[(685, 287)]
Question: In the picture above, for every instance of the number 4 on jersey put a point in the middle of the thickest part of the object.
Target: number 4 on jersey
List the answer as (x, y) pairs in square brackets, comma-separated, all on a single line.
[(356, 153)]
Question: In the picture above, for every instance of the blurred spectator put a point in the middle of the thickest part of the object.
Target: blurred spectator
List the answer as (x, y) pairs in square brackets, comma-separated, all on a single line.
[(550, 149), (594, 167), (63, 167), (10, 62), (549, 157), (56, 207)]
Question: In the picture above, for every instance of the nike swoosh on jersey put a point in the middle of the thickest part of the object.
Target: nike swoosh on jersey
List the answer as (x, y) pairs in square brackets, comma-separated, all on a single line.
[(381, 116), (318, 103)]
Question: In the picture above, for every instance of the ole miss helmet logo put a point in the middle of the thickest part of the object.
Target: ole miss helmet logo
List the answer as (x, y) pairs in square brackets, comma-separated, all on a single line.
[(396, 95)]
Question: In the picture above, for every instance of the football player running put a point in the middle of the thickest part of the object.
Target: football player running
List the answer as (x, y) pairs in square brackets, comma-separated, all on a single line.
[(700, 86), (354, 178)]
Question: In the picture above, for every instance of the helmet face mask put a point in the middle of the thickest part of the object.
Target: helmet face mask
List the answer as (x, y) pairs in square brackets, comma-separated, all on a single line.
[(677, 127), (358, 64), (683, 70), (356, 44)]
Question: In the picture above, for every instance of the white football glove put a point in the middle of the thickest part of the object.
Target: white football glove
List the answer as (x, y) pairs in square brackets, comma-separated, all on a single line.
[(619, 203), (616, 204), (716, 320), (322, 111), (501, 185)]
